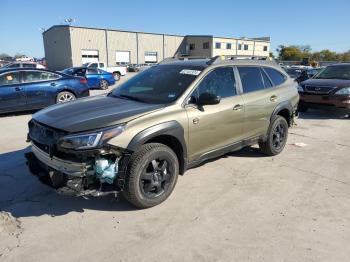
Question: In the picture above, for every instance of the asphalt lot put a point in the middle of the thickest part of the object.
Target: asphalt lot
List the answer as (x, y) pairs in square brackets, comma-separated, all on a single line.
[(241, 207)]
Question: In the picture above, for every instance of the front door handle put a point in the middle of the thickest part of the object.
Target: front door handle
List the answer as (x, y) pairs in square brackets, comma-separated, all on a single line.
[(17, 88), (273, 98), (238, 107), (53, 84)]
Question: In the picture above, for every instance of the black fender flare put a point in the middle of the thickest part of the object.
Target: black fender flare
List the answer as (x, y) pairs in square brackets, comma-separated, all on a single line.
[(170, 128), (281, 106)]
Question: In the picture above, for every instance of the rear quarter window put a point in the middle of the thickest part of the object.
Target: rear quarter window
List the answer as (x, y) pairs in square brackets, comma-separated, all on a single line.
[(276, 77)]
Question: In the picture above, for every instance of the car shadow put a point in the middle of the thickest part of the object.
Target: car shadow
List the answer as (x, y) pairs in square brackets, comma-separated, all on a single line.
[(19, 113), (324, 114), (23, 195)]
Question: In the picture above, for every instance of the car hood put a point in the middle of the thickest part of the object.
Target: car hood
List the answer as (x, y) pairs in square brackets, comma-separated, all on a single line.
[(92, 113), (327, 82)]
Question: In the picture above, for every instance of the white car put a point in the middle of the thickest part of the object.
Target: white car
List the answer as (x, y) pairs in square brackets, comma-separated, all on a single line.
[(117, 71), (24, 65)]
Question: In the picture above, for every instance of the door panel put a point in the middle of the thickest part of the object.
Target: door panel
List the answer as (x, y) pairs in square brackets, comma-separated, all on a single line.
[(214, 126), (12, 96), (259, 98), (40, 88), (93, 77)]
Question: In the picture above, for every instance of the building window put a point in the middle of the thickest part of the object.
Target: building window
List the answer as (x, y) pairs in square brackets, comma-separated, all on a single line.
[(265, 48), (239, 46), (192, 46), (206, 45), (151, 57), (228, 46), (245, 47), (217, 45)]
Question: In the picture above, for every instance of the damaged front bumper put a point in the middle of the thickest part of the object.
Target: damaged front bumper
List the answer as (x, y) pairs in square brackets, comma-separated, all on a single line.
[(78, 178)]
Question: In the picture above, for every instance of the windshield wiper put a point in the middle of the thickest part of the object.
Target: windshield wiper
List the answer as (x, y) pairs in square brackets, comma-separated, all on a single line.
[(130, 97)]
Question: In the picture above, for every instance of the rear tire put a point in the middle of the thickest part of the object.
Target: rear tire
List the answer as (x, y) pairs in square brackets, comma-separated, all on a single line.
[(103, 84), (151, 176), (276, 137), (65, 96)]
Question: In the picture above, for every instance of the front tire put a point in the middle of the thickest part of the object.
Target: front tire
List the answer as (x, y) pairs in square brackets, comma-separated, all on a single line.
[(151, 176), (276, 137), (103, 84)]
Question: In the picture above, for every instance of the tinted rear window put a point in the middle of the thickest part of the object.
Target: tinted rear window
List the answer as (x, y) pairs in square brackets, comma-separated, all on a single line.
[(276, 77), (251, 79)]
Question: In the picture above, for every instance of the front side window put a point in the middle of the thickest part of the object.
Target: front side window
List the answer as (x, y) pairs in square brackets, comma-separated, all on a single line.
[(16, 65), (11, 78), (251, 79), (276, 77), (220, 82), (160, 84)]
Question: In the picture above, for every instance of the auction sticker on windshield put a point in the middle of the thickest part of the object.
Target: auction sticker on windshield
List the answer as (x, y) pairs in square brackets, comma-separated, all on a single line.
[(190, 72)]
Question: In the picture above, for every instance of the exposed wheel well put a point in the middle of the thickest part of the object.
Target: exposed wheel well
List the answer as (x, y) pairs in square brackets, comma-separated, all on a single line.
[(175, 145), (286, 114), (116, 72), (66, 90)]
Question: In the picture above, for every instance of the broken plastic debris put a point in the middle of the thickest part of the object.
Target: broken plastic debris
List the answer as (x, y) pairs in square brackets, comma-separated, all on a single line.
[(106, 170), (299, 144)]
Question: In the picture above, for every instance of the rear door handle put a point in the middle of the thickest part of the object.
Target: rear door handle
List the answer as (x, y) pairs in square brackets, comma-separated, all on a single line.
[(273, 98), (17, 88), (238, 107), (53, 84)]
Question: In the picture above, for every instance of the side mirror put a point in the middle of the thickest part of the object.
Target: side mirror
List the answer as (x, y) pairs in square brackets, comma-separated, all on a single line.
[(208, 99)]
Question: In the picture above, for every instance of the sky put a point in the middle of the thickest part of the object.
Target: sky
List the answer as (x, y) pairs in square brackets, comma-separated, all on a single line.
[(321, 24)]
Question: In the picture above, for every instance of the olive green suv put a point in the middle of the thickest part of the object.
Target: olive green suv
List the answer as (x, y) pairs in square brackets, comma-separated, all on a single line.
[(163, 121)]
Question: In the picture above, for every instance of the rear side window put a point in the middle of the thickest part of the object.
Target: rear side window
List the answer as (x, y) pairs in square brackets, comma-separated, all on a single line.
[(276, 77), (11, 78), (38, 76), (251, 79), (220, 82), (29, 65)]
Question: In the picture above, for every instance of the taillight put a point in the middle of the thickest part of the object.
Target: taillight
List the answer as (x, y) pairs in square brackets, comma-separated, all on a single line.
[(83, 81)]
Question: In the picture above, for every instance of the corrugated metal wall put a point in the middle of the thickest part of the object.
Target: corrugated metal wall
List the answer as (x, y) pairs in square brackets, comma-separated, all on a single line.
[(57, 48)]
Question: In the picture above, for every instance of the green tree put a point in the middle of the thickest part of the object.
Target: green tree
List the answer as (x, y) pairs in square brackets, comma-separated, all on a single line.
[(3, 55)]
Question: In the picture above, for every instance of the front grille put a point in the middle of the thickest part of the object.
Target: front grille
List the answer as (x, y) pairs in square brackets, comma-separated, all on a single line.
[(44, 135), (318, 89)]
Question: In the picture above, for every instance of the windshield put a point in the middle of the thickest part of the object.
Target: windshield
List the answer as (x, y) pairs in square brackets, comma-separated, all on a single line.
[(335, 72), (161, 84)]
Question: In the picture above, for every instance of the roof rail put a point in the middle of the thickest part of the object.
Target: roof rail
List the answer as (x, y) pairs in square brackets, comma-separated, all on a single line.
[(218, 59), (182, 57)]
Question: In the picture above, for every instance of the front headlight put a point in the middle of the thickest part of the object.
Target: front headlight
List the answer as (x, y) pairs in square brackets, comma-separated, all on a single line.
[(89, 140), (300, 88), (343, 91)]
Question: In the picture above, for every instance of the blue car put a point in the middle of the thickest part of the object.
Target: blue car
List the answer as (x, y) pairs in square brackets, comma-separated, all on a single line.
[(29, 89), (96, 78)]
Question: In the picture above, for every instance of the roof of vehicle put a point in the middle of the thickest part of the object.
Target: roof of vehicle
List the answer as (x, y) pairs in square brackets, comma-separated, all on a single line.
[(3, 70), (341, 64)]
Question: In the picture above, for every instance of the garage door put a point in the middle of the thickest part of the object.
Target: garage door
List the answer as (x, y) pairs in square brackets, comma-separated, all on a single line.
[(151, 57), (122, 57), (89, 56)]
